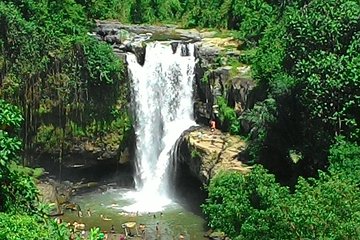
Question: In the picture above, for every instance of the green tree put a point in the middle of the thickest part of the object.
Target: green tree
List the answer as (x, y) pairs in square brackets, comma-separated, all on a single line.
[(256, 207), (344, 159), (20, 213), (61, 77), (323, 54), (308, 63), (15, 226), (235, 199), (17, 192)]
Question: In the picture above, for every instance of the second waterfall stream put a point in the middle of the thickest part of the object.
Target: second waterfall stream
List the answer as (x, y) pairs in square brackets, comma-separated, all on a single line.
[(162, 102)]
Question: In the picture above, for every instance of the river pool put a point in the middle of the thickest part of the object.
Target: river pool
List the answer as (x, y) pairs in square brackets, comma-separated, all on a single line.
[(106, 208)]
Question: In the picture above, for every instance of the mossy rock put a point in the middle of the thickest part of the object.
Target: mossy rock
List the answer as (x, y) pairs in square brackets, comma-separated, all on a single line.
[(217, 235)]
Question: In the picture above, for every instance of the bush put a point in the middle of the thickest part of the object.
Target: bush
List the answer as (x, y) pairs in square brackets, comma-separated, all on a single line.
[(256, 207), (228, 117), (15, 227)]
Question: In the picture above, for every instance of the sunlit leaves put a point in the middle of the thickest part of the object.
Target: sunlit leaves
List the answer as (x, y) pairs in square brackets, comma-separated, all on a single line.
[(256, 207), (308, 62), (323, 45), (228, 117), (325, 208), (9, 147), (345, 159), (311, 57), (269, 56), (52, 66), (10, 120), (235, 199), (253, 17), (10, 116), (16, 226), (102, 65)]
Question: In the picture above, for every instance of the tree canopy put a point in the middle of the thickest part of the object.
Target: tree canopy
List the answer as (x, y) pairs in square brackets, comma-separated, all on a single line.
[(58, 83), (307, 63)]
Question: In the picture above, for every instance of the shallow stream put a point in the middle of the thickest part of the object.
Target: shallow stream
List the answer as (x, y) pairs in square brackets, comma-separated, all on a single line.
[(106, 209)]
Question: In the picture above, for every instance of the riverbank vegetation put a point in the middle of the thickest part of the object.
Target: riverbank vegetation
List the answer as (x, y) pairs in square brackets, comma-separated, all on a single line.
[(58, 85), (69, 85), (21, 215), (306, 61), (305, 130)]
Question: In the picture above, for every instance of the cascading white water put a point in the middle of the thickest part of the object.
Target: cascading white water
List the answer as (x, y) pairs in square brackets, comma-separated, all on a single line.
[(162, 100)]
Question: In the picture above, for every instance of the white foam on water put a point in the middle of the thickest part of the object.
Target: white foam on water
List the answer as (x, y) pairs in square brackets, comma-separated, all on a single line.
[(162, 99)]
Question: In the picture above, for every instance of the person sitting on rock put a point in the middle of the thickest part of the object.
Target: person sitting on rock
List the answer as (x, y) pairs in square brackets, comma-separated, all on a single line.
[(212, 125)]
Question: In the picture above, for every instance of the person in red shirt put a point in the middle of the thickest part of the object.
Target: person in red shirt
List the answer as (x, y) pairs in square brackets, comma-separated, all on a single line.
[(212, 125)]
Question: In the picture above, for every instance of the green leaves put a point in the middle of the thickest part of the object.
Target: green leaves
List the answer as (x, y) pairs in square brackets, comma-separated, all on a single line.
[(10, 116), (322, 41), (9, 148), (18, 192), (261, 118), (222, 206), (228, 117), (102, 65), (256, 207), (308, 62), (15, 226), (55, 70), (345, 159), (253, 17), (236, 200), (95, 234), (331, 211), (10, 120)]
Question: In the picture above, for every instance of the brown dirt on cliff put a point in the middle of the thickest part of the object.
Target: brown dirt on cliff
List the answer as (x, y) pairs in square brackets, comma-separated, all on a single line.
[(219, 151)]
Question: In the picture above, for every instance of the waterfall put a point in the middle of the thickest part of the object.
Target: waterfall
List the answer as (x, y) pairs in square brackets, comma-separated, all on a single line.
[(162, 100)]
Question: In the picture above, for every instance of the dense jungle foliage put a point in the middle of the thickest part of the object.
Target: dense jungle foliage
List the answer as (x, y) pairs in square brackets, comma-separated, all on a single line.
[(21, 215), (66, 86), (305, 57), (69, 85), (306, 60)]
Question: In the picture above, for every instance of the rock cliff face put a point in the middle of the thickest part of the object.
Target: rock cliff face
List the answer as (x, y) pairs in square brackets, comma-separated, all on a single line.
[(132, 38), (218, 74), (218, 70), (206, 153)]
